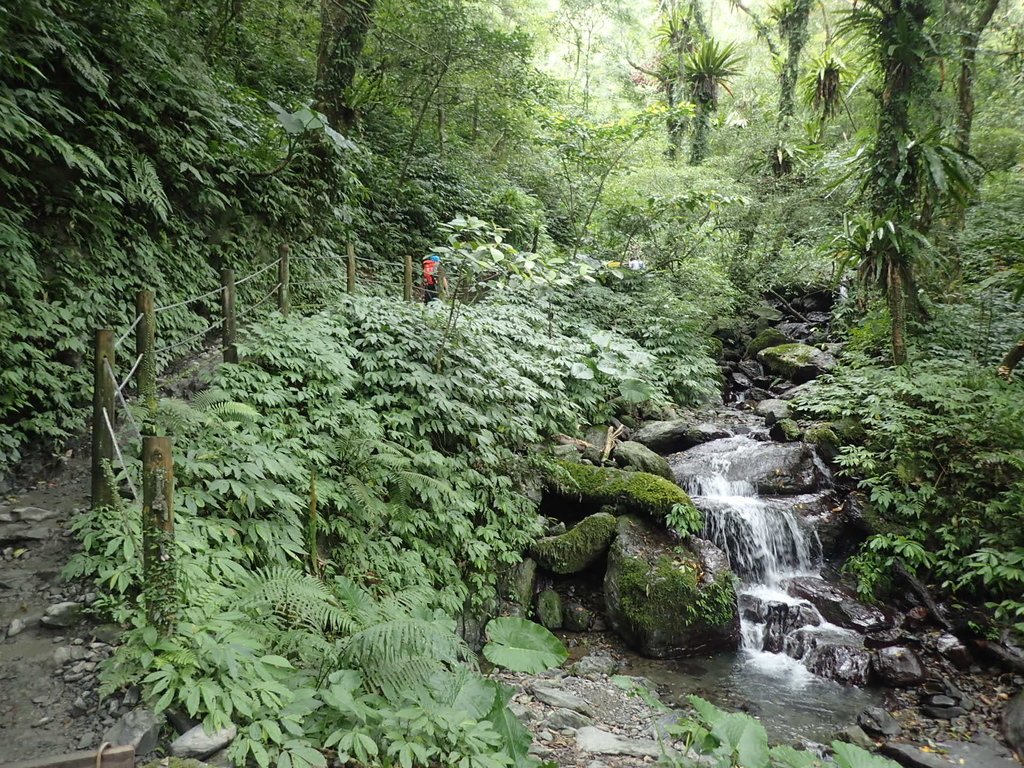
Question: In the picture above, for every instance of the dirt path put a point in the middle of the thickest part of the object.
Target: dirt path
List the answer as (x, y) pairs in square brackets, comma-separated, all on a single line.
[(48, 701)]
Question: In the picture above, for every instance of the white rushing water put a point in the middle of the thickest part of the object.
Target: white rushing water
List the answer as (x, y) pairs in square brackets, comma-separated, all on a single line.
[(767, 543)]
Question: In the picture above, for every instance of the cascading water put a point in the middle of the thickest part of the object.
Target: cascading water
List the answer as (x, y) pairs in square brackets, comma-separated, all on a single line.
[(767, 544)]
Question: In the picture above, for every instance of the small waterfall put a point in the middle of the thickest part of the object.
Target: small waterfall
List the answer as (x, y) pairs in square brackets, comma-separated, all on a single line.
[(767, 543)]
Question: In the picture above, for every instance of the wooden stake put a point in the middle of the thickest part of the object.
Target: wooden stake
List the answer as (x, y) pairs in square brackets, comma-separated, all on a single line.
[(145, 345), (159, 587), (284, 300), (351, 268), (227, 281), (407, 288), (102, 400)]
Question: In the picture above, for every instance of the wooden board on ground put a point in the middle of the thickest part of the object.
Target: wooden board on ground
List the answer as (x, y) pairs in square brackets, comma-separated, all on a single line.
[(112, 757)]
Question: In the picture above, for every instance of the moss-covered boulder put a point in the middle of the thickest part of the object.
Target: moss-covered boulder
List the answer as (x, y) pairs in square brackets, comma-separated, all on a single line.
[(638, 457), (824, 439), (666, 599), (576, 549), (674, 435), (576, 618), (516, 586), (786, 431), (769, 337), (549, 609), (796, 362), (627, 492)]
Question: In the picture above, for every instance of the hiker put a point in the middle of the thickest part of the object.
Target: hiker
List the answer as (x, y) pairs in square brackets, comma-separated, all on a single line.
[(432, 270)]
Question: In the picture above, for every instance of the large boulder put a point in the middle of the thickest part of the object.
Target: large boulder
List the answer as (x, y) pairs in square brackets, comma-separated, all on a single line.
[(638, 457), (839, 606), (549, 609), (897, 666), (626, 492), (774, 469), (516, 585), (1013, 724), (577, 549), (769, 337), (669, 600), (677, 434), (797, 362), (772, 410)]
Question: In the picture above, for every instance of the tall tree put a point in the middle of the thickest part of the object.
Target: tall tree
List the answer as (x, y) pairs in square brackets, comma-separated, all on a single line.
[(709, 67), (343, 28), (886, 242), (972, 18)]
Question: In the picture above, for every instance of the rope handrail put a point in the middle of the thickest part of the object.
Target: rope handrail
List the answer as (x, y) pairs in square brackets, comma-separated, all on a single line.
[(132, 327), (339, 258), (193, 337), (257, 273), (249, 309), (119, 393), (128, 377), (186, 302), (120, 457)]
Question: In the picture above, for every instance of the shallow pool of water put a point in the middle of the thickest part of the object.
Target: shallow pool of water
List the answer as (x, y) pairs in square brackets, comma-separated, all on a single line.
[(793, 704)]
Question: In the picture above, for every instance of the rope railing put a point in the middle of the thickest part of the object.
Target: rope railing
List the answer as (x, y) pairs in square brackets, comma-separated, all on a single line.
[(193, 300), (110, 396)]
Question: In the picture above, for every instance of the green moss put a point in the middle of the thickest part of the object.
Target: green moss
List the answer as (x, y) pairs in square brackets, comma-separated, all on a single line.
[(626, 491), (578, 548), (715, 348), (769, 337), (786, 431), (651, 598), (549, 609), (824, 438)]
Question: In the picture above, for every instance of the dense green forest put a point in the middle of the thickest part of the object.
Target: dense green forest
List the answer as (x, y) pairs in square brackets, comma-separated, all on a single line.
[(368, 475)]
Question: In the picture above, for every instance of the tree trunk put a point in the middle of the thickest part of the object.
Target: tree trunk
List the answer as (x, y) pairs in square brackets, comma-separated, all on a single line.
[(897, 300), (965, 83), (1014, 356), (701, 132), (343, 28), (793, 29)]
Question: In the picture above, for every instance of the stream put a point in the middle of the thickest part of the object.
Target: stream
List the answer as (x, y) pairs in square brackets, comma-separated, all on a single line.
[(784, 639)]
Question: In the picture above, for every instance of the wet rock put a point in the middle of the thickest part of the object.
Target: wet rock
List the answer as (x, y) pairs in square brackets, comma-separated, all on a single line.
[(877, 720), (549, 609), (560, 719), (839, 606), (753, 371), (576, 618), (62, 615), (139, 728), (781, 619), (668, 601), (578, 548), (884, 638), (678, 435), (560, 699), (637, 456), (595, 740), (951, 647), (197, 743), (897, 666), (855, 735), (911, 756), (595, 665), (740, 381), (1013, 724), (847, 664), (772, 468), (772, 410)]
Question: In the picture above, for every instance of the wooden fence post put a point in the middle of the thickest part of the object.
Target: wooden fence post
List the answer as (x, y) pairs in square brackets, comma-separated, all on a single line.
[(145, 345), (159, 588), (284, 299), (102, 400), (227, 282), (351, 268), (407, 287)]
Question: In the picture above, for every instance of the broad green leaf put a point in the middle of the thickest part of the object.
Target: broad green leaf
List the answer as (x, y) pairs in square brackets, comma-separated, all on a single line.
[(850, 756), (522, 646)]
